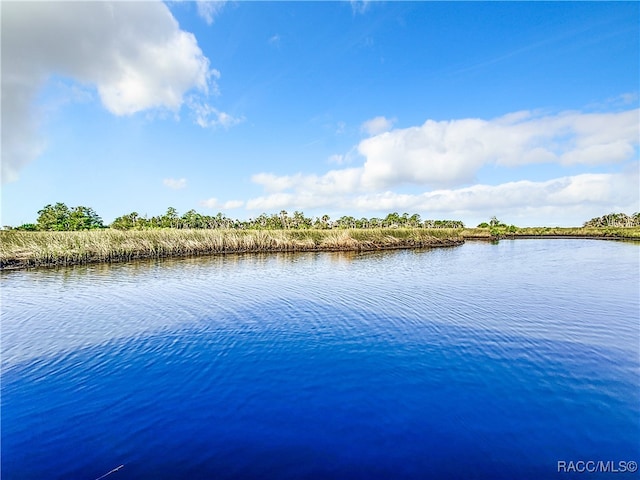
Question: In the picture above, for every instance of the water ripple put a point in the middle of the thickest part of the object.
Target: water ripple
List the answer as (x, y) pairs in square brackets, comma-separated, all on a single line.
[(383, 365)]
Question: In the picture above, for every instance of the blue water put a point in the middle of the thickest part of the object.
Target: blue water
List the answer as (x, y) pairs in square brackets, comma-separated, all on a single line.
[(480, 361)]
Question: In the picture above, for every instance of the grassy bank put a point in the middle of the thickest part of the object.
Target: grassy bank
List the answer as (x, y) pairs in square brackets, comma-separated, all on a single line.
[(621, 233), (20, 249), (35, 249)]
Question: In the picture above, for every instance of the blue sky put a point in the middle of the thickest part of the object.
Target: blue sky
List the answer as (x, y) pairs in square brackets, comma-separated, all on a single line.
[(458, 110)]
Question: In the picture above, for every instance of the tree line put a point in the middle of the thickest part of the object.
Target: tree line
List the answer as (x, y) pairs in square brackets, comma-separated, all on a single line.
[(275, 221), (60, 217), (615, 220)]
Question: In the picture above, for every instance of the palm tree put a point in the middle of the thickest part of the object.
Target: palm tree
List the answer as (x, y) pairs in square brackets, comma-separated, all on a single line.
[(284, 218)]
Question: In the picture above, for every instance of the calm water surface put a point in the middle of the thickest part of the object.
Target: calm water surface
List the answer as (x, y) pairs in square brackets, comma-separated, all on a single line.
[(481, 361)]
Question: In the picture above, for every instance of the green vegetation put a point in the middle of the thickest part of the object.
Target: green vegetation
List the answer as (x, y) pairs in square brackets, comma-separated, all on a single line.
[(614, 226), (20, 249), (622, 233), (497, 229), (67, 236), (615, 220), (279, 221), (59, 218)]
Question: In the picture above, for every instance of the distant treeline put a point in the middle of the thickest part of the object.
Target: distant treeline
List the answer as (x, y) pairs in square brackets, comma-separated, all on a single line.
[(60, 217), (615, 220)]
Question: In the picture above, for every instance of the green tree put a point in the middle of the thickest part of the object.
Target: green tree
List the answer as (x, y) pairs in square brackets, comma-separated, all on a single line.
[(192, 219), (84, 218), (346, 221), (28, 227), (614, 220), (285, 219), (54, 217), (375, 222), (392, 220), (300, 221), (363, 223), (170, 219), (126, 222), (414, 220), (59, 217)]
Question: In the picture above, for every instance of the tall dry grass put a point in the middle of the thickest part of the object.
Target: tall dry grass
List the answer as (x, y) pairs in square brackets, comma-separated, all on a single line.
[(622, 233), (31, 249), (20, 249)]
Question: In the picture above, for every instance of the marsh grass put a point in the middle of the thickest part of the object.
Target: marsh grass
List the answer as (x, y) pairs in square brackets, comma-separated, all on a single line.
[(20, 249), (33, 249), (622, 233)]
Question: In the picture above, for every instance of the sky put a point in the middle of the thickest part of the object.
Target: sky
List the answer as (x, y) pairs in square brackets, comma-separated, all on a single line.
[(528, 111)]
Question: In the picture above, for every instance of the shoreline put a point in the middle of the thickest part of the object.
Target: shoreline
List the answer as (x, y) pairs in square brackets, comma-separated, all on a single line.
[(60, 249), (27, 250), (13, 265), (549, 237)]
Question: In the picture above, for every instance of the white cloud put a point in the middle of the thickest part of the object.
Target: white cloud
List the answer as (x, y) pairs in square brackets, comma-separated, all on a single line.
[(443, 157), (276, 201), (628, 98), (209, 9), (274, 40), (210, 203), (134, 53), (175, 184), (377, 125), (450, 153), (21, 142), (598, 189), (619, 101), (333, 182), (231, 204), (566, 200), (274, 183), (208, 116), (446, 154), (344, 159), (359, 6), (214, 203)]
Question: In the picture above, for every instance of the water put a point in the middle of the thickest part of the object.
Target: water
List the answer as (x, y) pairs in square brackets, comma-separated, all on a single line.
[(481, 361)]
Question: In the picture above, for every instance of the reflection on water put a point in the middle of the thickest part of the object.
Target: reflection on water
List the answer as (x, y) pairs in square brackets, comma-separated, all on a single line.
[(482, 361)]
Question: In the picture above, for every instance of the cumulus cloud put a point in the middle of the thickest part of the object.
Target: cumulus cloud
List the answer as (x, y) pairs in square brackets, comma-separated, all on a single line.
[(209, 203), (345, 180), (598, 189), (567, 200), (21, 142), (214, 203), (447, 154), (175, 184), (134, 53), (231, 204), (377, 125), (444, 157)]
